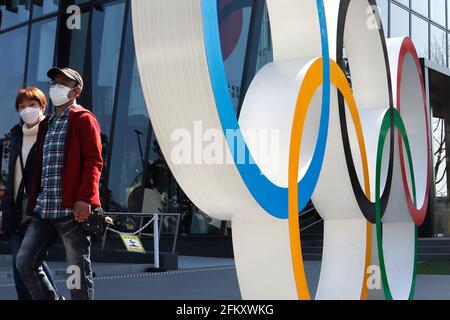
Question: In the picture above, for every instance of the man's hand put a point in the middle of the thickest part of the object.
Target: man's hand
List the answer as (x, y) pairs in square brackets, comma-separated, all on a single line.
[(81, 211)]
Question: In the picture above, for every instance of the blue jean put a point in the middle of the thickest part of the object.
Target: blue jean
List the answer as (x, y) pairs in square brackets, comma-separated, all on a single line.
[(22, 291), (35, 246)]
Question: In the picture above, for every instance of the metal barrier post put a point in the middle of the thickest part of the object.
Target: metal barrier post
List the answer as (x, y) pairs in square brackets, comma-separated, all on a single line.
[(156, 239), (157, 230), (175, 238), (161, 225)]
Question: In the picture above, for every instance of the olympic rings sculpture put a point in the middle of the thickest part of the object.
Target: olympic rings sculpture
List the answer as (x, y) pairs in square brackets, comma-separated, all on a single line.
[(360, 150)]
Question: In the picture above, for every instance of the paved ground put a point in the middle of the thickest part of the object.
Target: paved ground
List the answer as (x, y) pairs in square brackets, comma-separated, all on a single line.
[(197, 279)]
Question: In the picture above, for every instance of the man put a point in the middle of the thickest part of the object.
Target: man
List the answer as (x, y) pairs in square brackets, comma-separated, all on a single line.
[(66, 188)]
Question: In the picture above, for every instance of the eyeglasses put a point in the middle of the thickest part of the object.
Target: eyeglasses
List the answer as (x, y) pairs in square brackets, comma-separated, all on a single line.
[(53, 83)]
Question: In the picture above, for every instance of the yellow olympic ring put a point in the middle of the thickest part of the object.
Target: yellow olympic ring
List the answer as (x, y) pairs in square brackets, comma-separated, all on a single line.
[(312, 81)]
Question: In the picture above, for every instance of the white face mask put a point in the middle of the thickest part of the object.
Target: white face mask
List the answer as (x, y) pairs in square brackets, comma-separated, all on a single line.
[(59, 95), (31, 115)]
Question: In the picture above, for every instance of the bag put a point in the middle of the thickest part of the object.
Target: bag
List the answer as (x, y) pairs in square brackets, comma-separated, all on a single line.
[(4, 161), (95, 224), (22, 196)]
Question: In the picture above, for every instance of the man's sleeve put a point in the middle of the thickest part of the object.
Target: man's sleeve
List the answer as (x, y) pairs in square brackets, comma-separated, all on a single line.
[(92, 161)]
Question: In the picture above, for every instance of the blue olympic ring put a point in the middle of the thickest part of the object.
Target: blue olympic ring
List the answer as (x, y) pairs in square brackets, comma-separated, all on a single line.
[(272, 198)]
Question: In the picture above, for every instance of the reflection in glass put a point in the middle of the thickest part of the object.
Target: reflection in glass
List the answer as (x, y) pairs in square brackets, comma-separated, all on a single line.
[(404, 2), (107, 26), (383, 10), (420, 6), (41, 8), (42, 46), (131, 128), (437, 11), (106, 32), (160, 190), (14, 12), (78, 44), (12, 63), (440, 156), (442, 212), (234, 24), (420, 35), (399, 21), (438, 46), (265, 52)]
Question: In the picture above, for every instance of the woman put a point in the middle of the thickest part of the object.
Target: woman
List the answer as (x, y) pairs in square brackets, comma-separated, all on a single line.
[(30, 104)]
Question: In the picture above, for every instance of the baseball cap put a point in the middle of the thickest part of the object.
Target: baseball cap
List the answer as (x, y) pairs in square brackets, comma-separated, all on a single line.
[(70, 73)]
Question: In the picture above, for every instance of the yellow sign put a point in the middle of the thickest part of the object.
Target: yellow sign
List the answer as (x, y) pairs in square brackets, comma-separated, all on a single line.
[(133, 243)]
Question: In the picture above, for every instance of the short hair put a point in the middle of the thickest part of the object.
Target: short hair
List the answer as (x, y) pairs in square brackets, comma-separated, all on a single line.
[(31, 94)]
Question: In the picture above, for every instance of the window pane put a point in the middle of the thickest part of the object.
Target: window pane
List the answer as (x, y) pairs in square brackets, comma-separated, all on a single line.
[(13, 47), (106, 37), (42, 47), (234, 23), (160, 188), (130, 136), (45, 7), (14, 13), (383, 9), (404, 2), (265, 53), (399, 21), (78, 43), (438, 46), (438, 11), (420, 6), (420, 35), (448, 14), (440, 165)]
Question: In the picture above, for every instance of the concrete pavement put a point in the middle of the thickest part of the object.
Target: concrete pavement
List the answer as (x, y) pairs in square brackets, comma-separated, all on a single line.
[(197, 279)]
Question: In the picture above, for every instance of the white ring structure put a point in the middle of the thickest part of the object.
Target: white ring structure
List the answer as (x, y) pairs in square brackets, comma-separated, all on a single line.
[(345, 228), (399, 228), (173, 67), (177, 84)]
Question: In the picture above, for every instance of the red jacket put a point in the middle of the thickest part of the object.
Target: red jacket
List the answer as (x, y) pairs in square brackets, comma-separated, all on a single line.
[(83, 161)]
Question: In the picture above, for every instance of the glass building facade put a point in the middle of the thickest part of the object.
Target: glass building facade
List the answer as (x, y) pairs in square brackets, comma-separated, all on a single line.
[(427, 22), (96, 38)]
